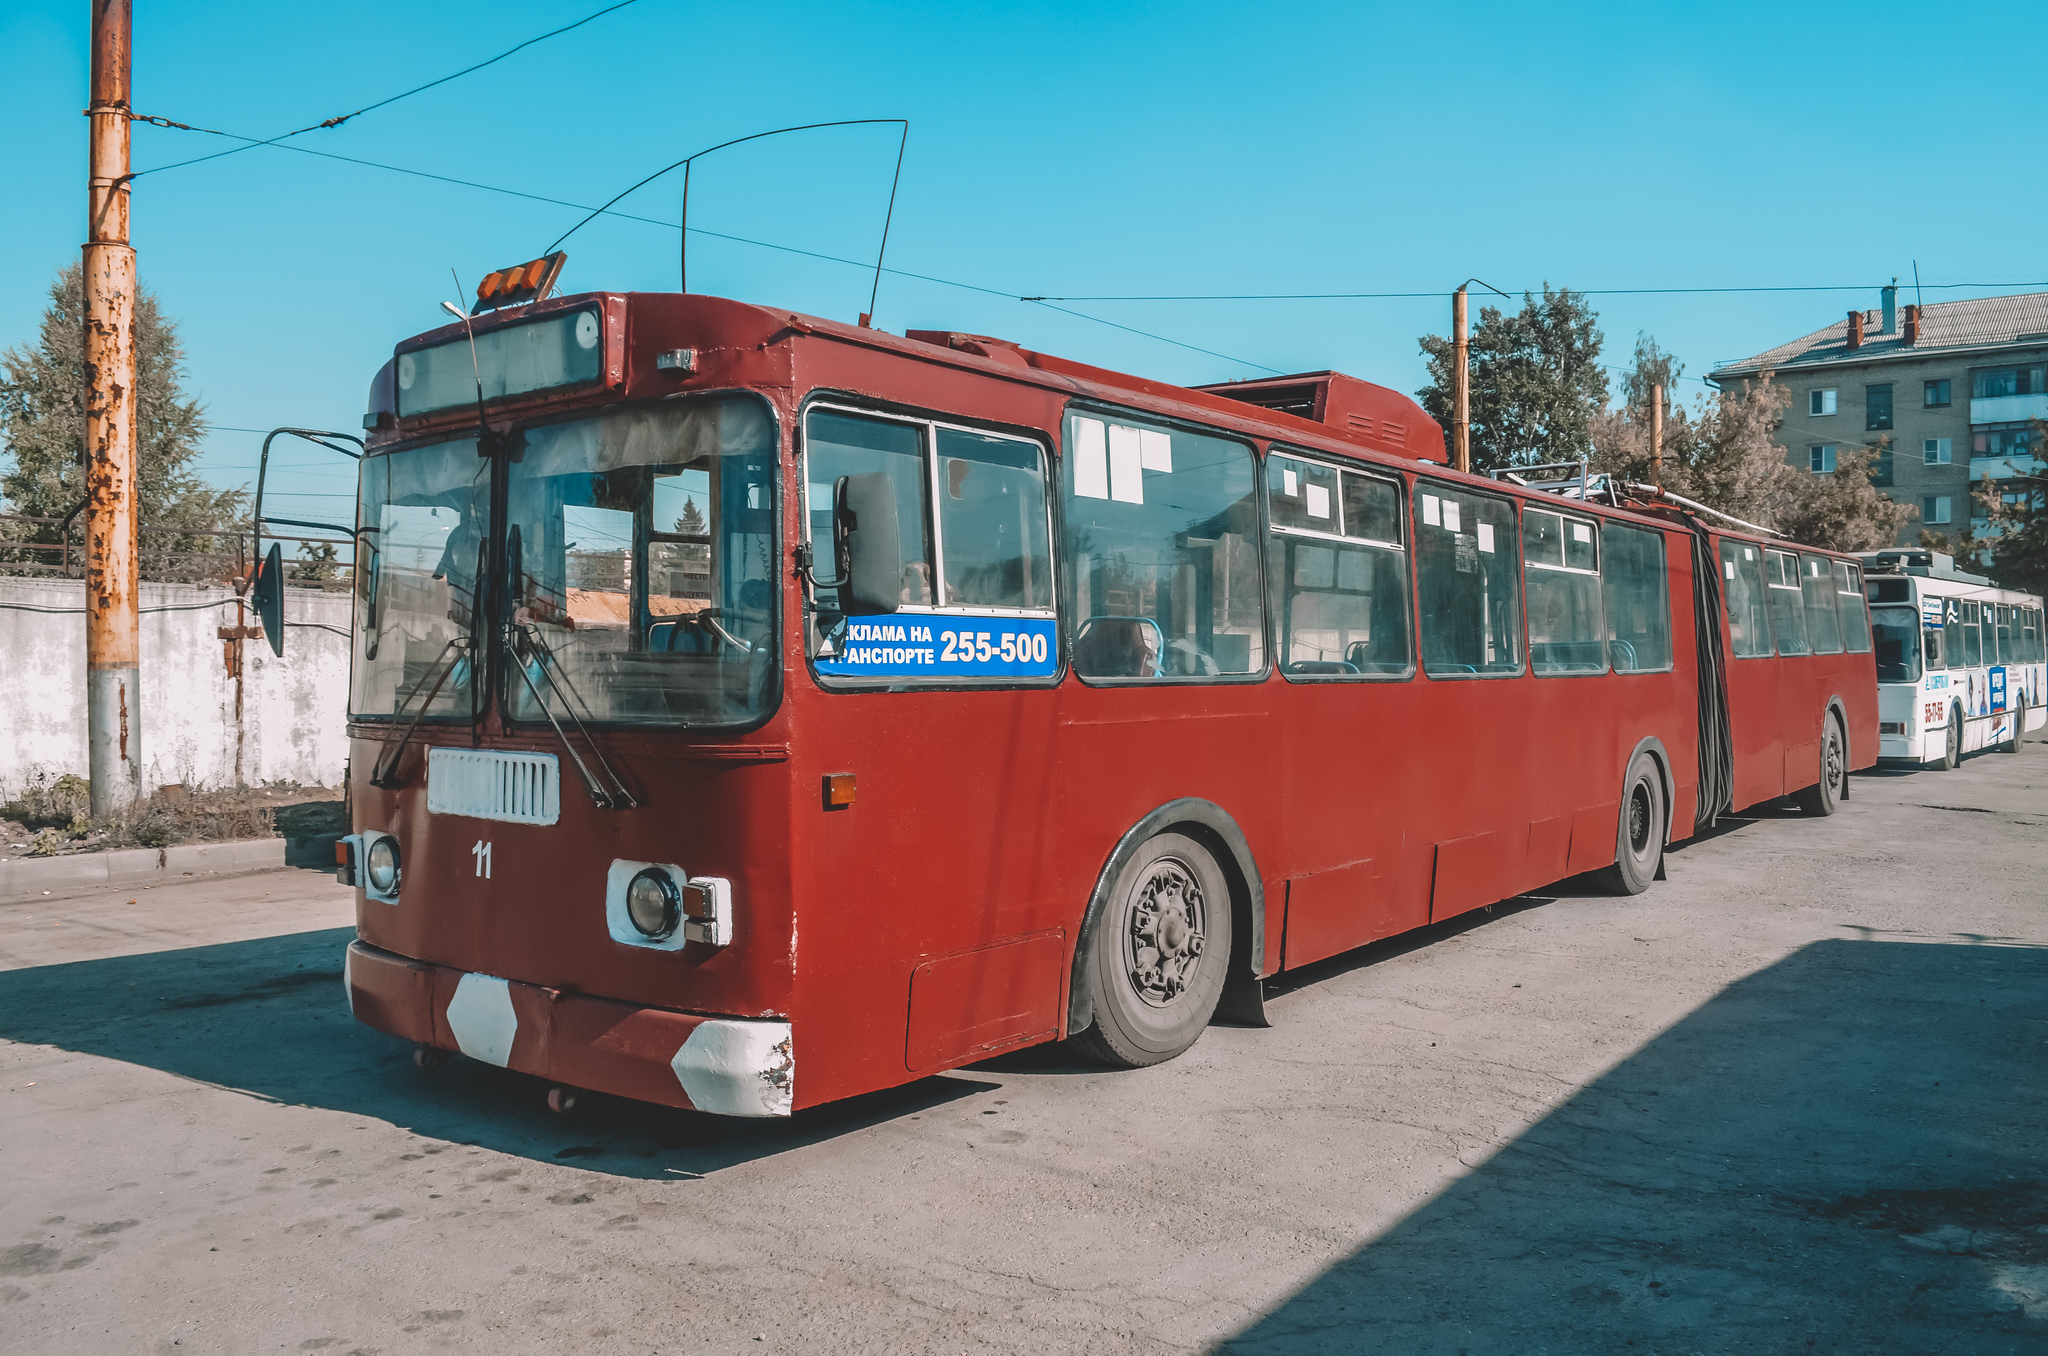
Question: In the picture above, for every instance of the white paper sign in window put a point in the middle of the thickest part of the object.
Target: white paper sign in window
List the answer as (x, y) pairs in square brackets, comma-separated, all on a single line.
[(1318, 502), (1126, 465), (1486, 537), (1450, 515), (1430, 514), (1091, 460), (1292, 482), (1155, 450), (1581, 532)]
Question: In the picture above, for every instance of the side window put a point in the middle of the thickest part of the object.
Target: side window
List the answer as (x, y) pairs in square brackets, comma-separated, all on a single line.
[(1823, 621), (2006, 654), (1788, 604), (1638, 599), (2033, 650), (1162, 530), (1952, 632), (1561, 562), (1742, 583), (1337, 571), (1855, 612), (976, 597), (1469, 587), (1973, 641)]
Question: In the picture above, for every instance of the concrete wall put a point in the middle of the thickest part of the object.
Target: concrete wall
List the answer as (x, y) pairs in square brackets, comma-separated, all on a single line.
[(294, 709)]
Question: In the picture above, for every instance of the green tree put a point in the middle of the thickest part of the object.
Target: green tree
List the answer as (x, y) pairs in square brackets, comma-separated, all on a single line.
[(1621, 437), (691, 524), (317, 562), (1537, 381), (42, 426)]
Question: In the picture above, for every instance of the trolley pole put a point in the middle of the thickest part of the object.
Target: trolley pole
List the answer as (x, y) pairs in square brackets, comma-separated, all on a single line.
[(112, 571), (1461, 385), (1657, 435)]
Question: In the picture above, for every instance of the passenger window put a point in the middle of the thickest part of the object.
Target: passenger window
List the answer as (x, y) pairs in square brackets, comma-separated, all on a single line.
[(838, 445), (1638, 599), (2004, 633), (1973, 641), (995, 549), (1162, 529), (1469, 586), (1855, 613), (1742, 581), (1337, 571), (1788, 604), (1567, 633), (1952, 632), (1823, 622)]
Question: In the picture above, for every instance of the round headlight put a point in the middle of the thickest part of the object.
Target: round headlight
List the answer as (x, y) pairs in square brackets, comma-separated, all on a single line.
[(586, 330), (381, 865), (654, 904)]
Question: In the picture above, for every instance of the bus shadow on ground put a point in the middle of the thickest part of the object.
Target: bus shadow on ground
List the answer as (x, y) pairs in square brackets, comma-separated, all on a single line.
[(267, 1018), (1844, 1151)]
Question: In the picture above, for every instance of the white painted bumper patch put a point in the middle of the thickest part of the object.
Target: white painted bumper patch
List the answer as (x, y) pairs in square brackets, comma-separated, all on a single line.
[(481, 1019), (737, 1068)]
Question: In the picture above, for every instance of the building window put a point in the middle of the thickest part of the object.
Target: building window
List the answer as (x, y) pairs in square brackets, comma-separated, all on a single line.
[(1820, 402), (1881, 467), (2003, 440), (1994, 382), (1934, 508), (1820, 458), (1877, 405), (1936, 451), (1936, 393)]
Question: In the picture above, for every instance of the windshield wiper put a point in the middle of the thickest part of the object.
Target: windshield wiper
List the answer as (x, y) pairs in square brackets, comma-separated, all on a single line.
[(620, 798), (384, 776)]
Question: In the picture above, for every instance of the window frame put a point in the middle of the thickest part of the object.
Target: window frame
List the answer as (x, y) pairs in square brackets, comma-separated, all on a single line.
[(1070, 614), (1928, 390), (1927, 510), (1515, 505), (1820, 458), (1871, 401), (1797, 589), (1937, 451), (1663, 541), (851, 404), (1403, 548), (1763, 568), (1822, 402)]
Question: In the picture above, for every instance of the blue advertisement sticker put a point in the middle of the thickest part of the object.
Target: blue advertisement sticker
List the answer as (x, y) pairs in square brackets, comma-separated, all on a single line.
[(924, 645), (1997, 677)]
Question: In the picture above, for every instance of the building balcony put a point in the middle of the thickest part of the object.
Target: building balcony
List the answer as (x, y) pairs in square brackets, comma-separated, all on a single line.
[(2009, 409), (2005, 468)]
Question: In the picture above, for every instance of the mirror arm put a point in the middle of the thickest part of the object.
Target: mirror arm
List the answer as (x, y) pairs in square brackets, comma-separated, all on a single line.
[(806, 574)]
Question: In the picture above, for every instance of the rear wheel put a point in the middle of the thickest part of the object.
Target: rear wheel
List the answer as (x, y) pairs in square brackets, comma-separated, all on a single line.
[(1639, 838), (1826, 797), (2019, 727), (1161, 950), (1952, 750)]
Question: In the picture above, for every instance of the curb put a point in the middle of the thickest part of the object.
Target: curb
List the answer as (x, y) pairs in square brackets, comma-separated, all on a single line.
[(149, 866)]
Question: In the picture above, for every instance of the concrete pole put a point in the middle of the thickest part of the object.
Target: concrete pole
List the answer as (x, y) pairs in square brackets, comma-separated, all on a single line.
[(1657, 435), (1461, 386), (112, 571)]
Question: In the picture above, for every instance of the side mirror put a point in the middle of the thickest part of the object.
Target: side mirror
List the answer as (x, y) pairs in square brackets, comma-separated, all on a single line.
[(268, 598), (864, 540)]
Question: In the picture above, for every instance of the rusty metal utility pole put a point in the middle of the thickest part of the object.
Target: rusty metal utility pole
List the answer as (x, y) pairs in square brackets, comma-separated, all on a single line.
[(112, 572), (1657, 435), (1461, 385)]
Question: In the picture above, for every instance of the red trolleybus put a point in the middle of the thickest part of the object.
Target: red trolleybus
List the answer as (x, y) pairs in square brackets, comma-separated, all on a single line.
[(750, 710)]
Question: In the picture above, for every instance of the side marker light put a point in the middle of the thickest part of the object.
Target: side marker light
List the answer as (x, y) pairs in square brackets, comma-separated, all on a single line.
[(838, 790)]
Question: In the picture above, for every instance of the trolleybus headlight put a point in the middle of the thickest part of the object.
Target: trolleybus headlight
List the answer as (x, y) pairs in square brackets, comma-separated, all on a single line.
[(381, 864), (654, 904)]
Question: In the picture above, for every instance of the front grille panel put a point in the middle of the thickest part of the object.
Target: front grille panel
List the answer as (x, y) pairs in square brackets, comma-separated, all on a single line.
[(515, 788)]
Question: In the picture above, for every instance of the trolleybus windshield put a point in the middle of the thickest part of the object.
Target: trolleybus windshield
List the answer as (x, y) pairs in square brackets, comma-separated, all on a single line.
[(423, 523), (641, 546), (1898, 652)]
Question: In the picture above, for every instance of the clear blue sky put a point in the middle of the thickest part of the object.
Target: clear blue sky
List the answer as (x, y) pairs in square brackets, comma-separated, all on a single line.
[(1055, 149)]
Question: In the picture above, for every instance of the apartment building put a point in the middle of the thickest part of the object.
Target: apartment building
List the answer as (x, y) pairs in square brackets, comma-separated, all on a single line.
[(1950, 392)]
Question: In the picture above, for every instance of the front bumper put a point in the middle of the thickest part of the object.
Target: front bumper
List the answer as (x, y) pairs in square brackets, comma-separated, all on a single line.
[(728, 1066)]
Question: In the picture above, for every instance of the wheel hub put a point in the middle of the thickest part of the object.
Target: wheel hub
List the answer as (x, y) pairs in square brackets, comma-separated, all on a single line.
[(1168, 920)]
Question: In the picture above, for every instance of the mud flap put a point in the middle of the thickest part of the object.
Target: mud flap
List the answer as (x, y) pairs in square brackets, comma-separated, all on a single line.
[(1243, 1002)]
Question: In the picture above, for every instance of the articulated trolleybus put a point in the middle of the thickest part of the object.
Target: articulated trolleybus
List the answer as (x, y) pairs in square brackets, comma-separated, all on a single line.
[(1960, 664), (750, 710)]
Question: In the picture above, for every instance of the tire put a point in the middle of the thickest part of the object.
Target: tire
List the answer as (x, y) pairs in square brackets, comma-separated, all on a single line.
[(1161, 951), (2019, 725), (1825, 797), (1639, 837), (1952, 750)]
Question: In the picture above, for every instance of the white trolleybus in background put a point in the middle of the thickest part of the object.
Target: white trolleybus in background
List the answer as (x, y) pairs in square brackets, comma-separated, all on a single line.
[(1960, 665)]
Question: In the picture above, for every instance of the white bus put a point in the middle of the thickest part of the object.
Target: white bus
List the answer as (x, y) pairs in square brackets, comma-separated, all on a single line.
[(1960, 664)]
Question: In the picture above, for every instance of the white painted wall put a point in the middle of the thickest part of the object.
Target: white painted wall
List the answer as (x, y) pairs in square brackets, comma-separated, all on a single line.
[(294, 709)]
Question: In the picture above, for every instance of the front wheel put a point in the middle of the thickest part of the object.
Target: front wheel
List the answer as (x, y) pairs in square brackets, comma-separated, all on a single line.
[(1826, 797), (1952, 750), (1639, 839), (1161, 950)]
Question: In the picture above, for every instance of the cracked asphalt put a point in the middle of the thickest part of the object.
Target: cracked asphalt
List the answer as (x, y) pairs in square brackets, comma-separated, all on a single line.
[(1789, 1100)]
